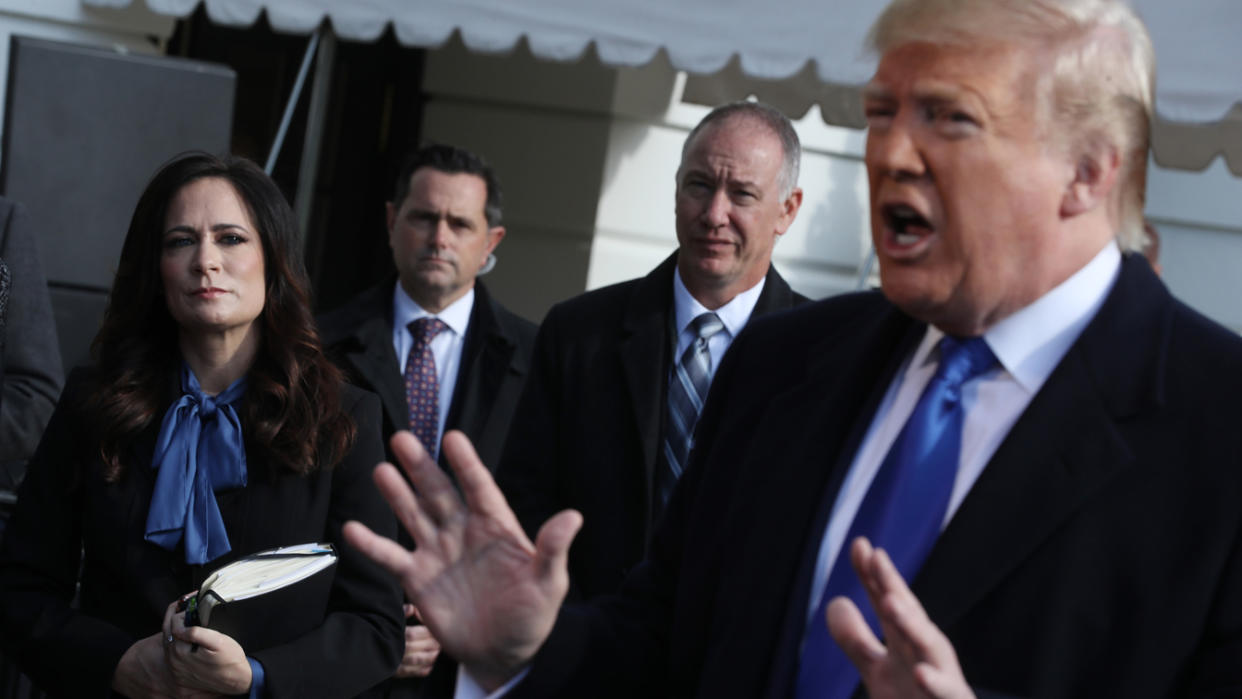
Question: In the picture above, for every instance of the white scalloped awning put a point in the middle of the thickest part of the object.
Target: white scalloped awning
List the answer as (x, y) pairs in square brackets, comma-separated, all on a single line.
[(1197, 41)]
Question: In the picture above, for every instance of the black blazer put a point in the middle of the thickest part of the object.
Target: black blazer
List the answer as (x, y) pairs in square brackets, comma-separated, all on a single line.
[(587, 431), (494, 363), (66, 513), (32, 372), (1097, 555), (5, 281)]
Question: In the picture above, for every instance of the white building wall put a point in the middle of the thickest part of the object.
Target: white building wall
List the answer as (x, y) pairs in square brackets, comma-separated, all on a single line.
[(1199, 215)]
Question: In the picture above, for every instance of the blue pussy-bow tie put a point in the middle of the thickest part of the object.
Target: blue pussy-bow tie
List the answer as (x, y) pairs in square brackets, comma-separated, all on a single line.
[(199, 451)]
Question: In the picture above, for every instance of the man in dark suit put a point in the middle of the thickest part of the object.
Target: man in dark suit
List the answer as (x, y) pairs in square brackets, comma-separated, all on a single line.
[(1033, 431), (592, 430), (5, 281), (33, 373), (444, 223)]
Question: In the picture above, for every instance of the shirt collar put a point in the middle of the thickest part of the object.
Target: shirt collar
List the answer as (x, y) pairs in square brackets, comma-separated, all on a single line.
[(733, 314), (456, 315), (1032, 341)]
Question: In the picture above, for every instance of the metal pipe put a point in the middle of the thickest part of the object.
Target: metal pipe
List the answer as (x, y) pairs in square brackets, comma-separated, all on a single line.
[(292, 103), (865, 273)]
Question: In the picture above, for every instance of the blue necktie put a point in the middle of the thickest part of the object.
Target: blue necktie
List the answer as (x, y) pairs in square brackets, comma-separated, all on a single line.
[(902, 511), (687, 390), (199, 450)]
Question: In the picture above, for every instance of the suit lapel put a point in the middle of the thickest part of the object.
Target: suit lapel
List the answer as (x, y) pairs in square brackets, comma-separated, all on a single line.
[(824, 442), (1062, 450), (486, 357), (645, 352), (373, 358), (1066, 446), (776, 295), (159, 572)]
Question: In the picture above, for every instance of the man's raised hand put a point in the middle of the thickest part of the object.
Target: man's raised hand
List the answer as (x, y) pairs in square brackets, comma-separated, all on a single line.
[(486, 592), (916, 659)]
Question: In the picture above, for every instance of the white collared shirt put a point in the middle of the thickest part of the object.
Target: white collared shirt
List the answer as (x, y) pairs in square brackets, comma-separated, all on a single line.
[(734, 314), (1028, 345), (445, 347)]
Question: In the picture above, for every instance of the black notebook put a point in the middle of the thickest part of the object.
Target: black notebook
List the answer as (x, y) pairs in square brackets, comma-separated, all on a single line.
[(266, 598)]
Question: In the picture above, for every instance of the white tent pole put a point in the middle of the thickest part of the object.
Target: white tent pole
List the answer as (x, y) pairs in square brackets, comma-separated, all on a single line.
[(292, 103), (865, 272)]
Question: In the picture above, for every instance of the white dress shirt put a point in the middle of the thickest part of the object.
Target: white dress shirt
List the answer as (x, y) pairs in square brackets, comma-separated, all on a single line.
[(1028, 345), (445, 347), (734, 314)]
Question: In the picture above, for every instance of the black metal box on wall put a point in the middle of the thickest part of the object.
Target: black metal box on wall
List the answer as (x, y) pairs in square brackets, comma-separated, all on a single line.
[(84, 130)]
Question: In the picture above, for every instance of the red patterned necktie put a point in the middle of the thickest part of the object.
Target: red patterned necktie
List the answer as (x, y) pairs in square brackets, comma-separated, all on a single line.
[(422, 384)]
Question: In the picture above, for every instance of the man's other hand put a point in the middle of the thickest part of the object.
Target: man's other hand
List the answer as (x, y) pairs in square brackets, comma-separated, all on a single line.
[(919, 660), (421, 648)]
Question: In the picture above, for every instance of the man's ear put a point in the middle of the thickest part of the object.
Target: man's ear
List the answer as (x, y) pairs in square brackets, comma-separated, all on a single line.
[(390, 215), (791, 205), (1093, 180), (494, 235)]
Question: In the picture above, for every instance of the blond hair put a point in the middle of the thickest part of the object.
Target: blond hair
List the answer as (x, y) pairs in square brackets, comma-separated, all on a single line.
[(1099, 89)]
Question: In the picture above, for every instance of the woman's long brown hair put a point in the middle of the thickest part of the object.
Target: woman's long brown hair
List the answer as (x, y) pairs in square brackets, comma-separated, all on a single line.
[(291, 414)]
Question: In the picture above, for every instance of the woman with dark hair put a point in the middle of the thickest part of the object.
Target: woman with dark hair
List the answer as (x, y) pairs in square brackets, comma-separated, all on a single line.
[(211, 426)]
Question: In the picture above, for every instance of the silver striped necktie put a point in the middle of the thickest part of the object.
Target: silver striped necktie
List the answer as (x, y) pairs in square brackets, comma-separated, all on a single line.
[(687, 390)]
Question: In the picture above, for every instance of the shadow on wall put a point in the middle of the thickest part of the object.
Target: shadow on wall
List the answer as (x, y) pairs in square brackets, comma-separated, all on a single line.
[(823, 252)]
